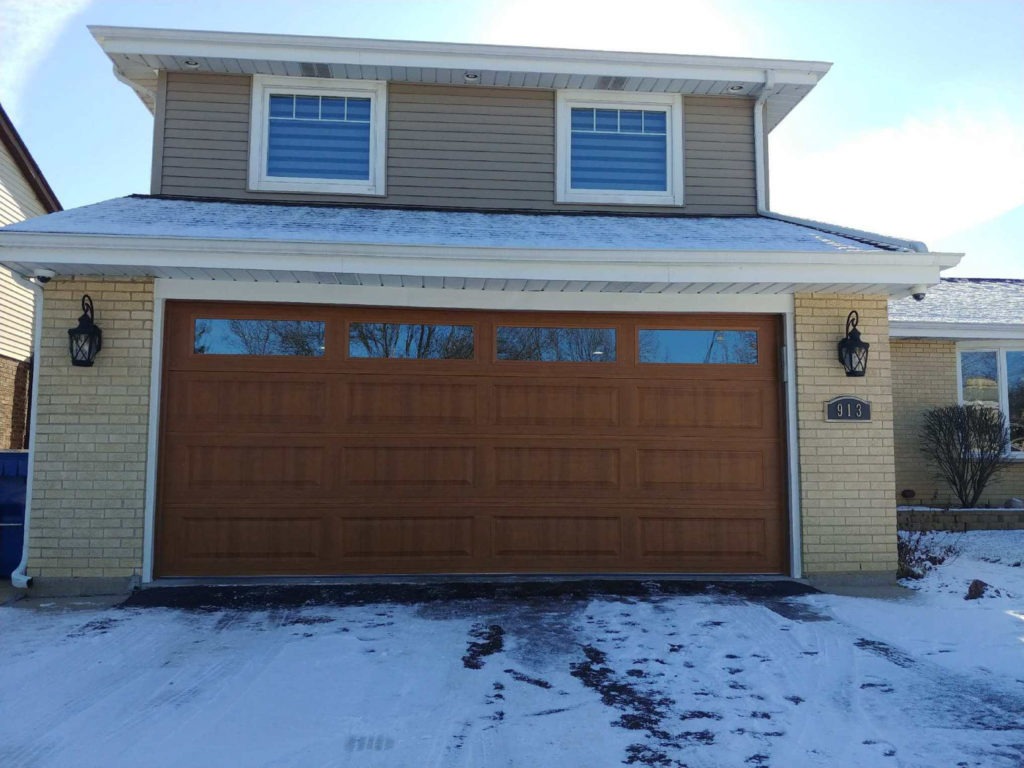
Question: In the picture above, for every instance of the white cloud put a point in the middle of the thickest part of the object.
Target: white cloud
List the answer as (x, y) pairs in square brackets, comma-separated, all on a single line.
[(925, 179), (659, 26), (28, 32)]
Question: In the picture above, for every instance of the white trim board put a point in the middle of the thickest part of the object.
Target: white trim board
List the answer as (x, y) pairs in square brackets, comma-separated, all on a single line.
[(935, 330)]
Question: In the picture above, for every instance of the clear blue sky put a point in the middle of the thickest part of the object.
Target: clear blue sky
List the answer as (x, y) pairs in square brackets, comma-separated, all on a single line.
[(918, 130)]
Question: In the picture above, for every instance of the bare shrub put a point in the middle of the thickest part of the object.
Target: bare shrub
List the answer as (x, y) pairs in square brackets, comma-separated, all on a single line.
[(918, 553), (967, 444)]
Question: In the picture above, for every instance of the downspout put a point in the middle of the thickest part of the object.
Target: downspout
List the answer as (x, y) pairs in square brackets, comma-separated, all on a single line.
[(796, 560), (19, 576), (761, 182), (760, 161)]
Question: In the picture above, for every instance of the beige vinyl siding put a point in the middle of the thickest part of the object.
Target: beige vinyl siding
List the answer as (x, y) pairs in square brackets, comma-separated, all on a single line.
[(15, 318), (448, 146), (17, 203)]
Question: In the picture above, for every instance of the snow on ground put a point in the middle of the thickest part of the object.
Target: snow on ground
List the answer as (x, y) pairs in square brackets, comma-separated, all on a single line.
[(708, 680)]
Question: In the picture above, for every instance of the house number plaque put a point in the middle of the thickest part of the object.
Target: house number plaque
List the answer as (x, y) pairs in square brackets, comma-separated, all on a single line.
[(847, 409)]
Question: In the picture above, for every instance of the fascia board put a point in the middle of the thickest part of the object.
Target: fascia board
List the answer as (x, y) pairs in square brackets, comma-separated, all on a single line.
[(397, 53), (937, 330), (808, 268)]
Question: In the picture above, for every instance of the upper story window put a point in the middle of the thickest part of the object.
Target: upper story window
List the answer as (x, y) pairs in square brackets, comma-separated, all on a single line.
[(620, 148), (994, 377), (318, 135)]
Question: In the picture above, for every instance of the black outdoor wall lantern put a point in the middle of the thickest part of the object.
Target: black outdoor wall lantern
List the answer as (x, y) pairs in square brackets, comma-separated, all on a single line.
[(853, 353), (87, 339)]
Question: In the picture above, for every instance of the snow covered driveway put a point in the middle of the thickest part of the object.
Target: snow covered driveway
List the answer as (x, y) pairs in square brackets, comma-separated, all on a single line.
[(714, 679)]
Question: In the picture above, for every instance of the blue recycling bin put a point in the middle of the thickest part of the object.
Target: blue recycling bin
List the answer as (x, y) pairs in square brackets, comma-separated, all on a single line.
[(13, 478)]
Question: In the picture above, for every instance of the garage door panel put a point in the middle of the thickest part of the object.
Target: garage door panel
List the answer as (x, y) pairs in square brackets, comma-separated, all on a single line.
[(422, 466), (259, 468), (557, 535), (570, 404), (248, 403), (403, 538), (326, 463), (735, 470), (705, 535), (411, 404), (566, 468), (718, 407), (221, 540)]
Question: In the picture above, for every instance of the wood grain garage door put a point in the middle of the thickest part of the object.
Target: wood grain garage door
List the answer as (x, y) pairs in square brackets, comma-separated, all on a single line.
[(338, 440)]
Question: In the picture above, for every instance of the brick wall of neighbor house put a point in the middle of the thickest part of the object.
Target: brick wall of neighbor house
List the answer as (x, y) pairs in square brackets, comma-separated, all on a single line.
[(846, 468), (90, 460), (924, 377), (15, 388)]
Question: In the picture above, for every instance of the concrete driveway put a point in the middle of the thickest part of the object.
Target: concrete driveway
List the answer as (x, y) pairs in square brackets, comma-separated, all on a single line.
[(560, 675)]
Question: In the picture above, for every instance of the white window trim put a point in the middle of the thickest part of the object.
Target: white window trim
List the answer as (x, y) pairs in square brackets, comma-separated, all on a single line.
[(1001, 376), (263, 86), (672, 104)]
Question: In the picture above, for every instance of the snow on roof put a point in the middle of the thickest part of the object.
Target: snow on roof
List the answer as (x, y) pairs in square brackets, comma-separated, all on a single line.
[(143, 216), (964, 300)]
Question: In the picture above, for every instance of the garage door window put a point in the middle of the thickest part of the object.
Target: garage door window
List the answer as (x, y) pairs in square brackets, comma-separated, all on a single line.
[(698, 347), (411, 341), (563, 345), (223, 336)]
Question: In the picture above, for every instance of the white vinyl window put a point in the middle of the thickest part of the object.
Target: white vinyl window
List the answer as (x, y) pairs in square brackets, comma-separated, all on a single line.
[(620, 148), (318, 135), (993, 376)]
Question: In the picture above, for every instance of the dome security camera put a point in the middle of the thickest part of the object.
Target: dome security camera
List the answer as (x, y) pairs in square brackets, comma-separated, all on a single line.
[(43, 276), (918, 292)]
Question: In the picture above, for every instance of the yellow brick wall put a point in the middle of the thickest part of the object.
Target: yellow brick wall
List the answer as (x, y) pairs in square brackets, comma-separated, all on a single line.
[(924, 377), (91, 434), (846, 468)]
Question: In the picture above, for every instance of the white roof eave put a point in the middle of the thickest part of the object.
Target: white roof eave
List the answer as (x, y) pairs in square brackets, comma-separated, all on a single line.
[(127, 45), (336, 50), (21, 250)]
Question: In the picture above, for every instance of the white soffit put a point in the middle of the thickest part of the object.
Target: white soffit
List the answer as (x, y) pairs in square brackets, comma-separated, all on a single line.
[(138, 54)]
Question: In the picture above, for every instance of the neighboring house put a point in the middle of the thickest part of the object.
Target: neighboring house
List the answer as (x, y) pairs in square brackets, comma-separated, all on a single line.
[(963, 344), (24, 193), (399, 307)]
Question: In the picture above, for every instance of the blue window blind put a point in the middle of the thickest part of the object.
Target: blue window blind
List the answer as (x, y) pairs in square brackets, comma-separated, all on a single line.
[(319, 137), (620, 149)]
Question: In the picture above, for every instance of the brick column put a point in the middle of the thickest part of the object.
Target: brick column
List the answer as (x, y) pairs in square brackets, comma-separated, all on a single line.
[(846, 468), (91, 435)]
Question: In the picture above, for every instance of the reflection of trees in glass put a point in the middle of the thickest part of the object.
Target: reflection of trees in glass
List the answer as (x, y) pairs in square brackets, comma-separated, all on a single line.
[(303, 338), (405, 340), (689, 346), (978, 371), (1016, 403), (1015, 398), (732, 347), (575, 345), (201, 340)]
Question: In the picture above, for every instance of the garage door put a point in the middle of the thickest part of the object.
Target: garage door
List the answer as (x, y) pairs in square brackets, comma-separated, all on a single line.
[(341, 440)]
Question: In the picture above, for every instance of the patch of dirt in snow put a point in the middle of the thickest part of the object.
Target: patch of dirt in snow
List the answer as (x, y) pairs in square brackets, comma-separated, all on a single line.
[(642, 710), (488, 641), (886, 651), (520, 677), (94, 627)]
